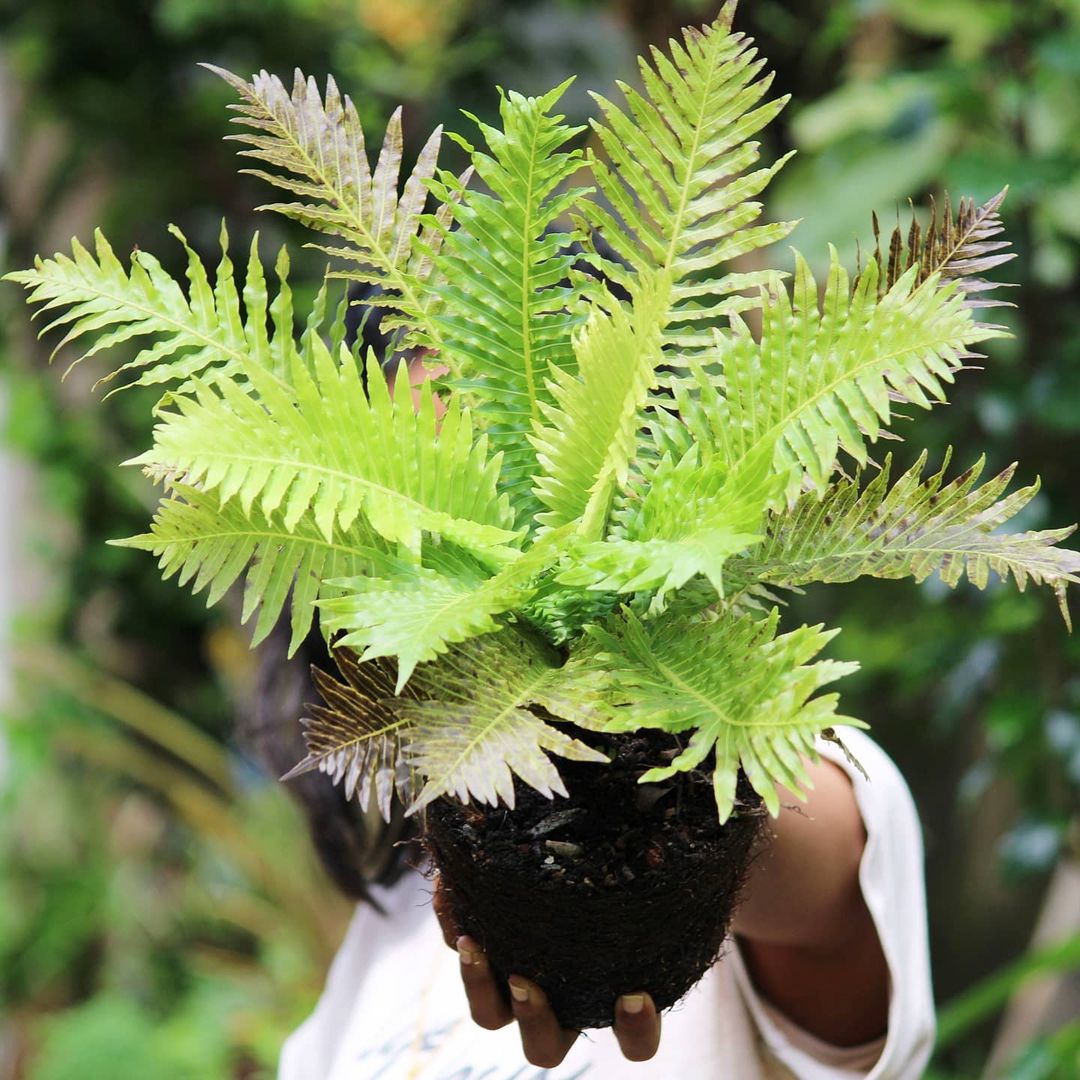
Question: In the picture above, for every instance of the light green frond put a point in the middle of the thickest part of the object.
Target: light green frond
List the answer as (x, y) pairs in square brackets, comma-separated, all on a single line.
[(355, 737), (319, 450), (691, 518), (316, 147), (562, 612), (585, 448), (201, 333), (730, 683), (827, 377), (210, 547), (418, 613), (472, 731), (504, 323), (913, 529), (677, 183)]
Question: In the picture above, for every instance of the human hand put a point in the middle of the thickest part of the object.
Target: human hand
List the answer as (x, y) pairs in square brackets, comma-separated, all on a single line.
[(544, 1041)]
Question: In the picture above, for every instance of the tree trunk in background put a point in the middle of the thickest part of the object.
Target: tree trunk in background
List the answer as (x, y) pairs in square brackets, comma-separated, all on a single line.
[(1047, 1004)]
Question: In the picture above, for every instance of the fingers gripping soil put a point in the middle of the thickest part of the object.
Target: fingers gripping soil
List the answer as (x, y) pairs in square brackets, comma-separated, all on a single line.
[(637, 1027), (487, 1005), (544, 1041)]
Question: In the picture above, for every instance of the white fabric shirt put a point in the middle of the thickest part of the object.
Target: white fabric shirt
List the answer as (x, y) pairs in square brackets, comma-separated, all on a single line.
[(394, 1009)]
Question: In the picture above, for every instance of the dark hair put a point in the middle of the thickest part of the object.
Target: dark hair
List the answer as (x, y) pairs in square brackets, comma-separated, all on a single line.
[(357, 849)]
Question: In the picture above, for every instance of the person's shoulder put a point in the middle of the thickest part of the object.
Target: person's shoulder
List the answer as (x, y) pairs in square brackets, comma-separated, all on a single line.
[(874, 775)]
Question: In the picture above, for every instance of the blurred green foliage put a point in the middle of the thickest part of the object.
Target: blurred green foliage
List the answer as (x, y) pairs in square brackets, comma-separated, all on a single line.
[(170, 901), (117, 846)]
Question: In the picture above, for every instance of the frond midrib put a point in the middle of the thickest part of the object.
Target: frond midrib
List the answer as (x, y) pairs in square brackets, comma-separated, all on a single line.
[(855, 552), (848, 375), (282, 535), (183, 329), (402, 281), (526, 277), (326, 470), (524, 693), (691, 159)]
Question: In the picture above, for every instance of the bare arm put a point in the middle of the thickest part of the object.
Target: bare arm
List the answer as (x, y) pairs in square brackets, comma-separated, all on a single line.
[(805, 932)]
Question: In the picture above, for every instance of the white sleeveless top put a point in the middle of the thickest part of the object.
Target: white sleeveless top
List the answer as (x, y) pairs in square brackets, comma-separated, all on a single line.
[(394, 1008)]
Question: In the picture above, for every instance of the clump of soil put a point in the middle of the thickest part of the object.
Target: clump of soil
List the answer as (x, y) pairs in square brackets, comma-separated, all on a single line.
[(617, 888)]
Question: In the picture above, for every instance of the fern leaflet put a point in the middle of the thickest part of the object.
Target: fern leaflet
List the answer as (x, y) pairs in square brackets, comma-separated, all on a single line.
[(355, 737), (914, 528), (742, 691), (682, 201), (505, 323), (317, 148), (826, 378), (416, 614), (320, 448), (209, 546), (472, 730), (200, 334)]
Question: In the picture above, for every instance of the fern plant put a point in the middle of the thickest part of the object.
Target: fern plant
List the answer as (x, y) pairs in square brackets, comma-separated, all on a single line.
[(645, 442)]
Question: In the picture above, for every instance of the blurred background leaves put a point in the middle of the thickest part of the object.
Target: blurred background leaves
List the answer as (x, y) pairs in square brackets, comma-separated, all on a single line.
[(147, 922)]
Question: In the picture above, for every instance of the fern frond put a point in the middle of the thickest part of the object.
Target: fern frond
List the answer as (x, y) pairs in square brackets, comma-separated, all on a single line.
[(209, 546), (472, 731), (825, 378), (418, 613), (505, 325), (739, 689), (681, 198), (317, 147), (915, 528), (199, 334), (588, 442), (320, 449), (691, 519), (354, 736), (958, 248)]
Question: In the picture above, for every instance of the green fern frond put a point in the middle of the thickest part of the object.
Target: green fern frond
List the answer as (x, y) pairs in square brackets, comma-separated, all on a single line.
[(681, 199), (826, 378), (209, 546), (472, 731), (690, 520), (418, 613), (585, 449), (355, 737), (562, 612), (958, 248), (317, 148), (322, 448), (199, 334), (743, 692), (915, 528), (505, 322)]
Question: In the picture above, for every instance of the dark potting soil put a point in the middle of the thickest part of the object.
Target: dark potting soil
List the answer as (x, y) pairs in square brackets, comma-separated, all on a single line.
[(619, 887)]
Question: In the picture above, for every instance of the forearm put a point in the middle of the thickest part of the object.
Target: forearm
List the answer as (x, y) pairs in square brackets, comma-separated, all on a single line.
[(808, 939)]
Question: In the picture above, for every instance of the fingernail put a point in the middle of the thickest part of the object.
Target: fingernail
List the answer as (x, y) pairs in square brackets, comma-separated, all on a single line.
[(519, 991), (468, 950), (632, 1003)]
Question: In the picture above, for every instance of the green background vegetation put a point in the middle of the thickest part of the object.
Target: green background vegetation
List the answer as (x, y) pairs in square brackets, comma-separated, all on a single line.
[(153, 918)]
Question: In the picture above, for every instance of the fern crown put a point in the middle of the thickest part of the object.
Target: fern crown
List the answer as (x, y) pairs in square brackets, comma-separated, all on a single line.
[(641, 437)]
